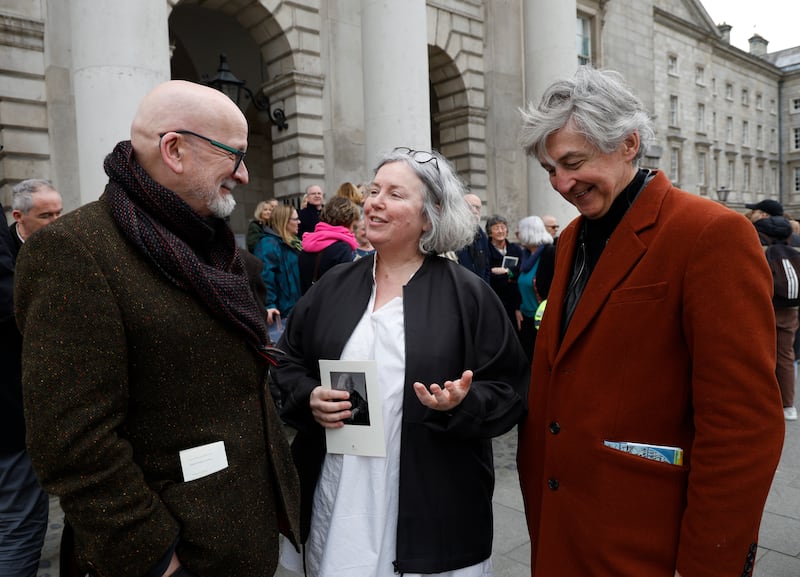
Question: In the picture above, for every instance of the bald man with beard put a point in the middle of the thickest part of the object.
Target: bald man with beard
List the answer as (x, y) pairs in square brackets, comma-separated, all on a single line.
[(154, 426)]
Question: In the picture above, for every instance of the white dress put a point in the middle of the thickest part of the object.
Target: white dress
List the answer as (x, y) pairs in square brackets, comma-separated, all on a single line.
[(354, 519)]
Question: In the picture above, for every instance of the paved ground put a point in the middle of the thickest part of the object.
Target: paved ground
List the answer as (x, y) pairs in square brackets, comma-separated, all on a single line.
[(779, 551)]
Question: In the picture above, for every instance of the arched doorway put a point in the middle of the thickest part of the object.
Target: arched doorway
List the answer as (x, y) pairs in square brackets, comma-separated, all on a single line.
[(198, 36)]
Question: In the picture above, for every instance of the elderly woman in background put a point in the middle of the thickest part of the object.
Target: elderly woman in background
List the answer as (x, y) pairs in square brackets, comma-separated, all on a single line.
[(451, 373), (279, 249), (332, 242), (258, 226), (535, 276), (504, 271)]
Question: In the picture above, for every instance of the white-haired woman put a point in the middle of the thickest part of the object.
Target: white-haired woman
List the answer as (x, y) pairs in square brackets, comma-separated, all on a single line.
[(452, 375), (535, 275)]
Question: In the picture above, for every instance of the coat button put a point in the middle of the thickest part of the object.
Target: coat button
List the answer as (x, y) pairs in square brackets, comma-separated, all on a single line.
[(552, 484), (555, 428)]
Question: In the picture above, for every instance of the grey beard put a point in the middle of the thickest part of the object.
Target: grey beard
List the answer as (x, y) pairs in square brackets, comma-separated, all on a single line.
[(222, 206)]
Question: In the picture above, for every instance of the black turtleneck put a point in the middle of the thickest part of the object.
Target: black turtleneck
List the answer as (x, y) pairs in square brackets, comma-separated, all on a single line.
[(592, 239), (596, 232)]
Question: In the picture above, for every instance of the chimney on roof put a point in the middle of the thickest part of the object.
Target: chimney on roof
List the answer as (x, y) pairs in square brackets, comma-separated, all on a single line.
[(725, 30), (758, 45)]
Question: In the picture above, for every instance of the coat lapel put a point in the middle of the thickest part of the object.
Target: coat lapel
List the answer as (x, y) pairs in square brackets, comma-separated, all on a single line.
[(624, 250)]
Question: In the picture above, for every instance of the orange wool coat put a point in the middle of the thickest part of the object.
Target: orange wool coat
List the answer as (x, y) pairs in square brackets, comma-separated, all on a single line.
[(672, 343)]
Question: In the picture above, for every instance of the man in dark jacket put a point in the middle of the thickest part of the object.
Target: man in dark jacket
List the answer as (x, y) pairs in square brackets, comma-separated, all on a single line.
[(24, 505), (776, 231), (475, 256), (151, 419), (310, 213)]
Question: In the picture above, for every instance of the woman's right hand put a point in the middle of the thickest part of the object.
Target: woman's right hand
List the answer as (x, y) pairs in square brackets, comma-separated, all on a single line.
[(330, 407)]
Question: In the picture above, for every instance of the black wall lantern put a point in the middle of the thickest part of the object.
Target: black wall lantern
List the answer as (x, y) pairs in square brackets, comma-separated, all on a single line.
[(722, 194), (227, 83)]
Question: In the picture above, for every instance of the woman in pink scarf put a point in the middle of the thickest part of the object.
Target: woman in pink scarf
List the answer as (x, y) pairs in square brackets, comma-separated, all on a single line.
[(332, 242)]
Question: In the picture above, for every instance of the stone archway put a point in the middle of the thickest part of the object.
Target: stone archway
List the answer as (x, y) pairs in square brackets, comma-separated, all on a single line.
[(287, 35), (264, 47), (455, 57)]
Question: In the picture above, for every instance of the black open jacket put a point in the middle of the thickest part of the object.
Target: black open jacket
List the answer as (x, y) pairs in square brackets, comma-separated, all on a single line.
[(453, 322)]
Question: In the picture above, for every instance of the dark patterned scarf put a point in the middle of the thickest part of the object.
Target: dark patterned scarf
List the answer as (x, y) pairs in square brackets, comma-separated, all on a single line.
[(199, 255)]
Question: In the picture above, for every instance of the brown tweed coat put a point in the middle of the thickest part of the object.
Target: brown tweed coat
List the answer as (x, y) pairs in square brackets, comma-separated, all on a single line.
[(121, 371)]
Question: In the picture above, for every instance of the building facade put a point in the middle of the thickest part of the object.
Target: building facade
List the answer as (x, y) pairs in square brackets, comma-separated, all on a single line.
[(354, 78)]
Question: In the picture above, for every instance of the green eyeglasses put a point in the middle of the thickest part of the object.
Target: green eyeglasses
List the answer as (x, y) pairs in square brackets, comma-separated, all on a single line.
[(239, 154)]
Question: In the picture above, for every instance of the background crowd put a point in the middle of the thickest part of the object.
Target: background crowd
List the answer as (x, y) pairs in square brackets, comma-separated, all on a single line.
[(297, 246)]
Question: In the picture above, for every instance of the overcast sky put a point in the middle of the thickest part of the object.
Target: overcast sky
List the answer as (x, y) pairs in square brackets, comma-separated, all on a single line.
[(778, 21)]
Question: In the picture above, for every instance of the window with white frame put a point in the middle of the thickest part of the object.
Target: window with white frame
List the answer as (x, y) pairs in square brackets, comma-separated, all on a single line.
[(773, 178), (731, 174), (745, 97), (673, 110), (797, 180), (700, 75), (759, 101), (701, 117), (729, 90), (729, 129), (795, 138), (773, 140), (672, 65), (795, 105), (745, 133), (760, 179), (701, 169), (584, 40), (675, 164), (746, 176), (760, 137)]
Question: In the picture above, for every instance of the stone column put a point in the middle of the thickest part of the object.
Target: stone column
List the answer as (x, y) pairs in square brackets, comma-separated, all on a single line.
[(61, 105), (396, 82), (120, 51), (550, 54)]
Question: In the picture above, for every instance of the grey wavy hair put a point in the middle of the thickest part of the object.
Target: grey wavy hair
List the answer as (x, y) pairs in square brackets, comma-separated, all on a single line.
[(599, 105), (532, 232), (452, 225), (22, 193)]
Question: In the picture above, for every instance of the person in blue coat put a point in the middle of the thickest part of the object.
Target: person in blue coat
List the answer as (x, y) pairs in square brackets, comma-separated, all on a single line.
[(279, 249)]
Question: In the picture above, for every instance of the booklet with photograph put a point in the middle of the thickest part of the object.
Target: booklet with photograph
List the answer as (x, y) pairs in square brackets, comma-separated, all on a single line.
[(510, 262), (362, 433)]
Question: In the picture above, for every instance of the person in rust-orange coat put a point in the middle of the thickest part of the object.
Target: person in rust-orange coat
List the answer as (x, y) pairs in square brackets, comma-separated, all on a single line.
[(659, 331)]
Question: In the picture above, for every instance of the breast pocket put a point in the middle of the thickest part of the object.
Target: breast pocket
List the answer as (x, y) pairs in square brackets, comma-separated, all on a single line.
[(639, 294)]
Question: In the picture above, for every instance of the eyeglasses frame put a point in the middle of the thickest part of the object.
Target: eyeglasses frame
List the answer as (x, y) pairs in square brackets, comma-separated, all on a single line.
[(415, 153), (239, 154)]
